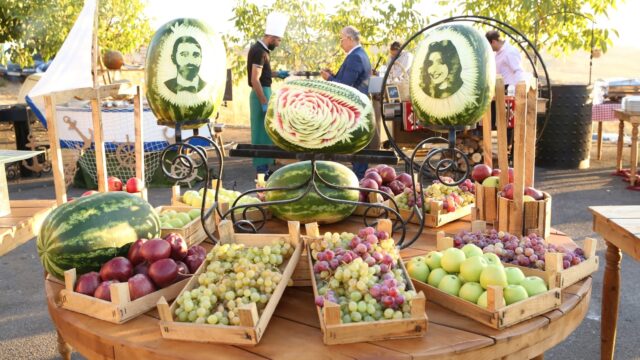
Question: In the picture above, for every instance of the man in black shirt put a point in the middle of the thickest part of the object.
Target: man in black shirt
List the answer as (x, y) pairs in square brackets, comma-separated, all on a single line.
[(259, 77)]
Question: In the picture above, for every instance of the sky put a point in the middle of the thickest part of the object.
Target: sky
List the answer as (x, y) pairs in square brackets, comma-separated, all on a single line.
[(219, 13)]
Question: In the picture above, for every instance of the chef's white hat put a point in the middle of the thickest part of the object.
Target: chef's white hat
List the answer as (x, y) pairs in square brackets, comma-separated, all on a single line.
[(276, 23)]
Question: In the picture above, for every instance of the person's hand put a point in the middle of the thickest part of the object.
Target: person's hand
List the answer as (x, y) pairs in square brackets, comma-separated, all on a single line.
[(264, 107), (282, 74), (325, 74)]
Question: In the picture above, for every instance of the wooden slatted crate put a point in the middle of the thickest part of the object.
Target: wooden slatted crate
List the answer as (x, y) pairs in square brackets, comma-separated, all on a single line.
[(252, 325), (486, 206), (193, 232), (536, 216), (436, 216)]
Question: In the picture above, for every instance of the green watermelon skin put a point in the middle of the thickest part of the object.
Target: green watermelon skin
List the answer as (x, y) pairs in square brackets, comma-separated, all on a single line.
[(471, 93), (312, 208), (89, 231), (320, 116), (168, 107)]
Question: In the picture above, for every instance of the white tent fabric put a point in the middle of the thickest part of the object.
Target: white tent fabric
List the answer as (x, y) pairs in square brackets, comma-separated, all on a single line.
[(71, 68)]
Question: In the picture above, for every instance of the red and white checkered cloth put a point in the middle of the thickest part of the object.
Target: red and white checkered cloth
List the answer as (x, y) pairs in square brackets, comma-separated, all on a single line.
[(604, 112)]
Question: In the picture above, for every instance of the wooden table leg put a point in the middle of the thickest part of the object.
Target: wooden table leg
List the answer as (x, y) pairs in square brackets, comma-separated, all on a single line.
[(63, 348), (620, 146), (610, 301), (634, 154), (599, 140)]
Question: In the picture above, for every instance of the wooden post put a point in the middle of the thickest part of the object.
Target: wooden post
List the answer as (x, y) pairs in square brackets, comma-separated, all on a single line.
[(139, 139), (520, 136), (599, 140), (57, 167), (101, 160), (501, 124), (486, 138), (530, 143), (620, 146)]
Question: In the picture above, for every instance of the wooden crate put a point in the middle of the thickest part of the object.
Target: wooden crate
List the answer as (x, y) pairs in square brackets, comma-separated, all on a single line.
[(536, 216), (373, 198), (193, 232), (334, 332), (554, 273), (436, 217), (121, 308), (486, 206), (252, 326)]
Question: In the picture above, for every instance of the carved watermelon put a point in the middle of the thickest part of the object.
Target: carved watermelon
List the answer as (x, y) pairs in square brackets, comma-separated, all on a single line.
[(453, 76), (320, 116), (185, 73)]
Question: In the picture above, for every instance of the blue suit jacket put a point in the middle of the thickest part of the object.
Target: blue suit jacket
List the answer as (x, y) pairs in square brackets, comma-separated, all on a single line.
[(355, 71)]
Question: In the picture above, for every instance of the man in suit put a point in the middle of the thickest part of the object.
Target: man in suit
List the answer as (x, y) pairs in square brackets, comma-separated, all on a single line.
[(355, 71), (187, 56)]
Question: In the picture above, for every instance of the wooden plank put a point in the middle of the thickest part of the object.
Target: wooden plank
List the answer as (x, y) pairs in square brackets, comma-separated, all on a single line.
[(617, 212), (520, 136), (101, 160), (501, 124), (619, 145), (39, 203), (23, 224), (491, 204), (139, 138), (486, 138), (530, 143), (618, 236), (480, 202), (57, 167)]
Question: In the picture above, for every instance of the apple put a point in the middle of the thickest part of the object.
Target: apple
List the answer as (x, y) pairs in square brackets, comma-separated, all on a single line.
[(451, 260), (418, 270), (119, 268), (482, 300), (388, 174), (90, 192), (527, 198), (436, 276), (491, 181), (472, 267), (507, 191), (134, 254), (450, 284), (103, 291), (493, 275), (374, 176), (115, 184), (88, 283), (179, 248), (514, 293), (514, 275), (155, 249), (492, 259), (471, 250), (471, 291), (134, 185), (433, 259), (480, 172), (496, 172), (534, 193), (534, 285), (139, 286), (163, 272)]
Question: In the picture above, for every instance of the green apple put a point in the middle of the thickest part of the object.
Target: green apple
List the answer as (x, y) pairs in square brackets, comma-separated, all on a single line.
[(491, 181), (450, 284), (534, 285), (171, 213), (451, 260), (471, 268), (514, 293), (184, 217), (433, 259), (176, 223), (418, 270), (492, 259), (482, 300), (514, 275), (189, 195), (194, 213), (471, 250), (471, 291), (436, 276), (493, 275), (527, 198)]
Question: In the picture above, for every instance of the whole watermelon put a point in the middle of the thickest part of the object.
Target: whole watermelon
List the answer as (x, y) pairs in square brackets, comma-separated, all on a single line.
[(453, 76), (88, 231), (185, 73), (320, 116), (311, 207)]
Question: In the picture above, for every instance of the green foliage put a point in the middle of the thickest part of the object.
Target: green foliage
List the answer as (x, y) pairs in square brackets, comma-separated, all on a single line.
[(41, 26), (311, 41), (558, 26)]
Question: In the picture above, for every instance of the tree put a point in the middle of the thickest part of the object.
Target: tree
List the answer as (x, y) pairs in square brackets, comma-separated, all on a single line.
[(40, 26), (311, 40), (558, 26)]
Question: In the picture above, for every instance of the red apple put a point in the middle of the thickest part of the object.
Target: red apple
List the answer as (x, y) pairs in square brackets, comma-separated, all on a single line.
[(155, 249), (374, 176), (368, 183), (397, 187), (134, 185), (197, 249), (163, 272), (134, 254), (387, 190), (534, 193), (193, 262), (103, 291), (139, 286), (90, 192), (405, 179), (142, 268), (182, 268), (119, 268), (115, 184), (179, 247), (88, 283), (388, 174), (496, 172), (507, 191), (480, 172)]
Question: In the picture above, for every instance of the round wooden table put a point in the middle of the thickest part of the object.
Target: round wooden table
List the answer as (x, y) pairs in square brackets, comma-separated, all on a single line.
[(294, 332)]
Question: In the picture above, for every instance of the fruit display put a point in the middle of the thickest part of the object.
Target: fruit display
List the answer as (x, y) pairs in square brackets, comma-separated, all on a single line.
[(195, 198), (311, 207), (149, 265), (133, 185), (528, 251), (235, 275), (530, 193), (198, 52), (384, 178), (319, 116), (482, 172), (452, 197), (467, 273), (453, 77), (362, 274), (178, 219), (87, 232)]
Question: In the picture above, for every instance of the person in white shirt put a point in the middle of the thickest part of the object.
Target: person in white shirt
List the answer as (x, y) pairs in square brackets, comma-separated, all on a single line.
[(400, 69), (508, 59)]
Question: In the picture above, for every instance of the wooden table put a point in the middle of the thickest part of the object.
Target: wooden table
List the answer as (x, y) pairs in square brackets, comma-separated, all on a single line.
[(620, 228), (294, 332), (634, 119), (23, 223)]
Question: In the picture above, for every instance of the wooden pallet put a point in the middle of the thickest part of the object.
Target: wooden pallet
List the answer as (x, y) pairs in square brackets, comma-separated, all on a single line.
[(252, 326), (121, 308), (554, 273), (335, 332), (193, 233)]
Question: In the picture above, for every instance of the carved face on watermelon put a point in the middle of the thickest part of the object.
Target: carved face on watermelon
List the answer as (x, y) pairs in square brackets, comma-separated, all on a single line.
[(453, 77), (320, 116), (185, 72)]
